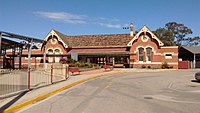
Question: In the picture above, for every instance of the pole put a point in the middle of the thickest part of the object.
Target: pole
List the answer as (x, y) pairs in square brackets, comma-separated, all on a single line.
[(51, 74), (0, 43), (44, 57), (194, 61), (29, 64), (67, 72)]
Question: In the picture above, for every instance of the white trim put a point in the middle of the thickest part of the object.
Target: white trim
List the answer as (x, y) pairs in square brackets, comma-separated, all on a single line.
[(50, 49), (54, 42), (58, 49), (26, 58), (147, 38), (144, 29), (38, 58), (169, 47), (51, 33)]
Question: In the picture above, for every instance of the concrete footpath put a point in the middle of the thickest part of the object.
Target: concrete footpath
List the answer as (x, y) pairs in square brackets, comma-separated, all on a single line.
[(38, 94)]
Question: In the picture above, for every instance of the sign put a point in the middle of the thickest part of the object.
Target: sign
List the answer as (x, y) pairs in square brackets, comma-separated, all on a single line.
[(74, 56)]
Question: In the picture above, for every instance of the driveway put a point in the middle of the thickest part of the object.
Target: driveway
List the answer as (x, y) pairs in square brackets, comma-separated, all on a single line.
[(127, 92)]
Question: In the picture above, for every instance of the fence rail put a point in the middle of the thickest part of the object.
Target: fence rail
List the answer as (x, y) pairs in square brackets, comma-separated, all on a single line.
[(16, 81)]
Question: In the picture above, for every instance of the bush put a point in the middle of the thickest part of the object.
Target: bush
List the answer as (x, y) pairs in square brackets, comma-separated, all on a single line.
[(165, 65), (143, 66), (149, 67), (71, 61)]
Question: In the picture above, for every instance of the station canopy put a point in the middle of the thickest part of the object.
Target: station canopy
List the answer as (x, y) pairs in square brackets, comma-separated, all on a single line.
[(8, 42)]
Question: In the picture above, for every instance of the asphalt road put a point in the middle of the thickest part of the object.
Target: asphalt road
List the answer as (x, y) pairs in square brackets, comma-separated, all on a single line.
[(128, 92)]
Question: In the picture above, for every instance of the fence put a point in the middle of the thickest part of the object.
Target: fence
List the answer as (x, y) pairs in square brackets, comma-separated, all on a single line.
[(16, 81)]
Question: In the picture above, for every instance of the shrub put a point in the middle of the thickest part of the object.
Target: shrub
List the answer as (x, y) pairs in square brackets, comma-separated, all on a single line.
[(63, 60), (71, 61), (165, 65), (170, 67), (149, 67), (143, 66)]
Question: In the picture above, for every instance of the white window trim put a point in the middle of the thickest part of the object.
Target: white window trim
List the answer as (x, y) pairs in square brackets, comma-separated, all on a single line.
[(168, 57)]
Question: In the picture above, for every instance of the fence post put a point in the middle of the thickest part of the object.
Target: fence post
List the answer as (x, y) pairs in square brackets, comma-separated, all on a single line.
[(51, 74), (67, 72), (29, 79)]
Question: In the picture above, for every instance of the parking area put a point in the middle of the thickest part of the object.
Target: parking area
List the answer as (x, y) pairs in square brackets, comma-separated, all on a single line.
[(128, 91)]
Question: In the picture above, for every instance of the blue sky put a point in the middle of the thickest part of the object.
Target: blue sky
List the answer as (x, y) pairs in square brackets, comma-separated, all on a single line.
[(36, 18)]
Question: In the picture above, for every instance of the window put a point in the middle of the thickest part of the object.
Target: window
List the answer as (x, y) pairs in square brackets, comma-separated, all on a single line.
[(168, 56), (141, 54), (50, 52), (57, 52), (149, 54)]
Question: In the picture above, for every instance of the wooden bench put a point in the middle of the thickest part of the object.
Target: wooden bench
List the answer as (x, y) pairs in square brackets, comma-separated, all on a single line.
[(74, 69), (107, 67)]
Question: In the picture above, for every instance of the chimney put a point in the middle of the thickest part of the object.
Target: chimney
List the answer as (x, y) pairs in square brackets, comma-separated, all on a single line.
[(131, 30)]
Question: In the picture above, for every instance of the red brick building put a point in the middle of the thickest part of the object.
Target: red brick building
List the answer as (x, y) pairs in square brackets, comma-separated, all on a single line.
[(129, 50)]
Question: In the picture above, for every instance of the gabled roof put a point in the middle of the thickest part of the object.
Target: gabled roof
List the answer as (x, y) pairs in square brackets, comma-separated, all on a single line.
[(145, 29), (107, 40), (93, 41), (59, 35), (192, 49)]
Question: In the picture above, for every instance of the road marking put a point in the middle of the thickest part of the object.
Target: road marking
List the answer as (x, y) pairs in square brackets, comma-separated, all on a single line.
[(44, 96)]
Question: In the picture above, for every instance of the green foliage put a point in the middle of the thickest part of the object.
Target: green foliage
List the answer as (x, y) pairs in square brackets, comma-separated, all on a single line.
[(166, 36), (180, 31), (193, 41), (176, 34), (74, 63)]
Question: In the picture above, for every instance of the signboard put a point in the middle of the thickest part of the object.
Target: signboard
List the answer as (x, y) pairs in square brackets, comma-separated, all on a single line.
[(74, 56)]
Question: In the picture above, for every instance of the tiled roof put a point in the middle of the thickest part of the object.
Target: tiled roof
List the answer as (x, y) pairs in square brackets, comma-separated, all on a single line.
[(105, 40)]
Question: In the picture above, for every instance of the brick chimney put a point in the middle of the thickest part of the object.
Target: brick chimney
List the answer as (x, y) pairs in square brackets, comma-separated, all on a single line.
[(131, 29)]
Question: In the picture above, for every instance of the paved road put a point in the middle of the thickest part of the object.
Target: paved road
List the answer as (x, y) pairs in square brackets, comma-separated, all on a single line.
[(128, 92)]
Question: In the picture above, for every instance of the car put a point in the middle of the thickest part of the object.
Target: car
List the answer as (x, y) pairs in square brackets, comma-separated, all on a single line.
[(197, 76)]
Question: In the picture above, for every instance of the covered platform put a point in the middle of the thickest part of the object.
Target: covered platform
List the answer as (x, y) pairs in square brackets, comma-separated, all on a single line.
[(191, 54), (14, 43)]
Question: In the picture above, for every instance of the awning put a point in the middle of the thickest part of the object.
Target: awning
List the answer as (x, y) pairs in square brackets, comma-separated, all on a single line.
[(101, 51)]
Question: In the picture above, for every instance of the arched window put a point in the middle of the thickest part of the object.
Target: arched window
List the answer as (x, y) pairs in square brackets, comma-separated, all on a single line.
[(149, 54), (50, 52), (57, 52), (141, 54)]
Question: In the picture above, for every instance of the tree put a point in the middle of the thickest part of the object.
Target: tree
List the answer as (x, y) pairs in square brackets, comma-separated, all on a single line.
[(193, 41), (166, 36), (180, 31)]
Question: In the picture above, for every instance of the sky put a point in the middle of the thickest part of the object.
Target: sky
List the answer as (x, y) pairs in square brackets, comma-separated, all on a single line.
[(36, 18)]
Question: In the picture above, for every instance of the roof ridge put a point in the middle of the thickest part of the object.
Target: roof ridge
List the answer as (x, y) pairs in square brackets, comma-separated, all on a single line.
[(96, 35)]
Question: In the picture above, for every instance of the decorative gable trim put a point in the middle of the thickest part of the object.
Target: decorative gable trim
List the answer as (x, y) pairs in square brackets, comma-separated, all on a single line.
[(145, 29), (53, 32)]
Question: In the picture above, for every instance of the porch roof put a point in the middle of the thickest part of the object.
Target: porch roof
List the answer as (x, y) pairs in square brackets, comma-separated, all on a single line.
[(192, 49)]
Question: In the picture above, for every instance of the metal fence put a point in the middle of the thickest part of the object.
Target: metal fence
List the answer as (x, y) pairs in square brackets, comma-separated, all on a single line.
[(16, 81)]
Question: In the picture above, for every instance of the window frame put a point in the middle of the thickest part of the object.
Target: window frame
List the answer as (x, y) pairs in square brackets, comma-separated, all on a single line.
[(141, 55)]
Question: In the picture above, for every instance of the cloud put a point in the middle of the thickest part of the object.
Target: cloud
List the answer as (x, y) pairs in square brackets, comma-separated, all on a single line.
[(80, 19), (109, 25), (63, 16)]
